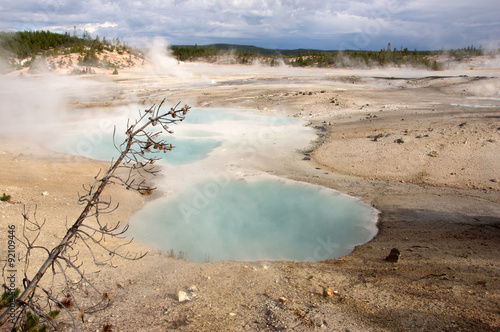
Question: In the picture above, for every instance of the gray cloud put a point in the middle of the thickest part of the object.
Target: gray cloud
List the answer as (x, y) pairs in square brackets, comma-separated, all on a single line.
[(361, 24)]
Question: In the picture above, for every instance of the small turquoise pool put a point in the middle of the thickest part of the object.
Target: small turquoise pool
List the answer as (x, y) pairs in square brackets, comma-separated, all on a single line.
[(256, 220), (198, 135)]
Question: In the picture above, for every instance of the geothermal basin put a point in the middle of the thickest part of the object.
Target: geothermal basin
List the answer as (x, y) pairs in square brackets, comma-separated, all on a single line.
[(217, 205)]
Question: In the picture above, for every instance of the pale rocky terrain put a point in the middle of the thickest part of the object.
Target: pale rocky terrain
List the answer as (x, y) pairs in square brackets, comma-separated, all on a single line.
[(403, 142)]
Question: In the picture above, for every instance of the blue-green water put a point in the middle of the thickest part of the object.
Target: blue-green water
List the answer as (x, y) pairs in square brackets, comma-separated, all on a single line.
[(261, 220), (193, 138), (193, 149), (476, 106), (212, 115)]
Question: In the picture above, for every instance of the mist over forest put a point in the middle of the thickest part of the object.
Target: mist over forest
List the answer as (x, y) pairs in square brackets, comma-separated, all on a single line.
[(24, 49)]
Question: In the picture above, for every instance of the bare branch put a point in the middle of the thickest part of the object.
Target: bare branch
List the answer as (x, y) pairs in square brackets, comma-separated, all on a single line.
[(136, 158)]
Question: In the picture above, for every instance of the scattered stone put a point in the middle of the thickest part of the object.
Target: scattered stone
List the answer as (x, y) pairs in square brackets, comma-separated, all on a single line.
[(393, 256), (376, 137), (283, 299), (494, 180), (232, 314), (433, 154), (327, 292), (306, 158), (45, 193), (399, 141), (322, 129), (183, 296), (462, 124)]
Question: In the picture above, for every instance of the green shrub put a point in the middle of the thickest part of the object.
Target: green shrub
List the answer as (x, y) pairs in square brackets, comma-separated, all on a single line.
[(6, 298), (5, 198), (32, 321)]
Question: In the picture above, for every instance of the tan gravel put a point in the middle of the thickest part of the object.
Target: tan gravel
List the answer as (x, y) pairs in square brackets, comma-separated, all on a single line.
[(401, 145)]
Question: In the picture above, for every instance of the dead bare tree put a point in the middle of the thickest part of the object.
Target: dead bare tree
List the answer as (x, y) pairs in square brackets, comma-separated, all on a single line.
[(136, 160)]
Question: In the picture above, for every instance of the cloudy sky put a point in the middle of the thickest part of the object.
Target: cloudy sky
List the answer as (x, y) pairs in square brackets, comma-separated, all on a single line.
[(320, 24)]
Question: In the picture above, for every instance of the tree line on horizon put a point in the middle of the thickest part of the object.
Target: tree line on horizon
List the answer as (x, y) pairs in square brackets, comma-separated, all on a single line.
[(21, 45), (21, 48), (316, 58)]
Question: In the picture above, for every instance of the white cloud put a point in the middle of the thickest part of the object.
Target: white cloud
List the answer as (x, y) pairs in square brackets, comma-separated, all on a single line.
[(275, 23), (91, 28), (94, 27)]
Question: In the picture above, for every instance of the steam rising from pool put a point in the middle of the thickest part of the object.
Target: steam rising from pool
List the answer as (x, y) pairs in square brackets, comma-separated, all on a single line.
[(201, 132), (255, 220)]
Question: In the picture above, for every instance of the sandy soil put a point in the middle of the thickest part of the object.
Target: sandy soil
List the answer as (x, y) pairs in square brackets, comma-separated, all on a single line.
[(403, 145)]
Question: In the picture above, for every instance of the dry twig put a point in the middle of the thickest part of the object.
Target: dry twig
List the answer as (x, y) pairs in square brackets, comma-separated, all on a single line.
[(135, 158)]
